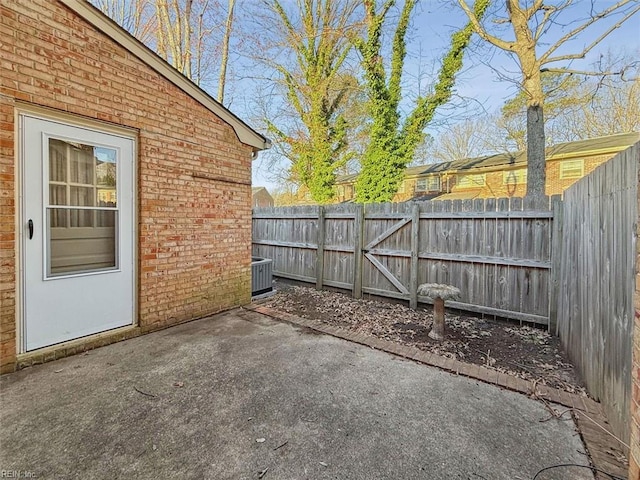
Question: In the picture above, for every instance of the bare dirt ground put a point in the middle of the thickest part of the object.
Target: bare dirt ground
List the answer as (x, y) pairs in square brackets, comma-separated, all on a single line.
[(523, 351)]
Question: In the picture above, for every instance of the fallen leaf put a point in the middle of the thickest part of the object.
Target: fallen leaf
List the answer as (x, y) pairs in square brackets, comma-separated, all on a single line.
[(324, 464), (178, 384)]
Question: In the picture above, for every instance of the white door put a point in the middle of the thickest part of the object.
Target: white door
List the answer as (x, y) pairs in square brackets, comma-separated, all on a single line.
[(77, 232)]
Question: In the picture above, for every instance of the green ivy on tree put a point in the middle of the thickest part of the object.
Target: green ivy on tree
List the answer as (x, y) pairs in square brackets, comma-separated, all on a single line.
[(317, 90), (391, 145)]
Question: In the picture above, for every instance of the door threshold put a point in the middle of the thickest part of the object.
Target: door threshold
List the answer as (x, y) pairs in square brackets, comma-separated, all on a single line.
[(78, 345)]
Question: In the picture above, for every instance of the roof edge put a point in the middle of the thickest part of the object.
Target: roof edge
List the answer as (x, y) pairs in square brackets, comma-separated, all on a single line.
[(106, 25)]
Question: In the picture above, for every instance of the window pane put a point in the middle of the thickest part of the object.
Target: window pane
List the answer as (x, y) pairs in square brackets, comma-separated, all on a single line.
[(82, 163), (106, 176), (84, 248), (57, 194), (81, 218), (105, 218), (57, 161), (59, 217), (81, 196), (82, 175)]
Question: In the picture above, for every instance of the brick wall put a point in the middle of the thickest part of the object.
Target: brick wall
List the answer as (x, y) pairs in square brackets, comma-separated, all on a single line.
[(634, 455), (194, 234), (556, 185), (7, 230)]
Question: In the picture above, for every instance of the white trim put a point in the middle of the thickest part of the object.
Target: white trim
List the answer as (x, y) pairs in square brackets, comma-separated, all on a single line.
[(21, 340), (110, 28)]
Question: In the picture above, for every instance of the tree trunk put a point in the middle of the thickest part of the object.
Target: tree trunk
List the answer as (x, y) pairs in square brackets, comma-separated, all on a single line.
[(536, 162), (225, 51)]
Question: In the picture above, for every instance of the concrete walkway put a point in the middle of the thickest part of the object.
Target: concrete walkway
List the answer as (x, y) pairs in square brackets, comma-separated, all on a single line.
[(242, 396)]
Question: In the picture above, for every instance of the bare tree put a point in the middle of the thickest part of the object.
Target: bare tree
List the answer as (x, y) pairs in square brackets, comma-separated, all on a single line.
[(225, 50), (174, 33), (468, 139), (530, 44), (613, 108), (194, 36), (135, 16)]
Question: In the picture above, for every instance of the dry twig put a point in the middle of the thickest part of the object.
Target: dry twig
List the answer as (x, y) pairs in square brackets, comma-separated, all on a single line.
[(144, 393)]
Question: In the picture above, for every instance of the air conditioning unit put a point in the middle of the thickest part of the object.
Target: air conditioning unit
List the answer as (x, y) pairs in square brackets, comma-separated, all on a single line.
[(261, 275)]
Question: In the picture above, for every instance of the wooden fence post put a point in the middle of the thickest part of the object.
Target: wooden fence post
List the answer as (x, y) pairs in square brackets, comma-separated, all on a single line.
[(320, 249), (556, 262), (415, 247), (358, 232)]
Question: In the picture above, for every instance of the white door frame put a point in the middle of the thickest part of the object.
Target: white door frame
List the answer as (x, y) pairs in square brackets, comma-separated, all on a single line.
[(43, 113)]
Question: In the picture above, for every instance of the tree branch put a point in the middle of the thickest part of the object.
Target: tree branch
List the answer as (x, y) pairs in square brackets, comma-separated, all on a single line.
[(548, 11), (399, 52), (416, 122), (533, 9), (581, 72), (545, 58), (479, 29)]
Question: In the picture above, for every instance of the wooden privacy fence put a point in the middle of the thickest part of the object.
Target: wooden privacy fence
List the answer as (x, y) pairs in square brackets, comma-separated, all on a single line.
[(595, 256), (497, 251)]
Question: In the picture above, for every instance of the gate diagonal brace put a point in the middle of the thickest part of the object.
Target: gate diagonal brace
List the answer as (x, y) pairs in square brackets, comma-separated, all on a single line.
[(386, 234), (387, 274)]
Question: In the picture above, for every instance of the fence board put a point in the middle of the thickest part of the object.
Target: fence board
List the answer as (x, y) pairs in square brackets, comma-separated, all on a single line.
[(494, 251), (594, 250)]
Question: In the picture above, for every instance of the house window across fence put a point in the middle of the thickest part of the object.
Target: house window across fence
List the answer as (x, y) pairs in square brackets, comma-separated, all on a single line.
[(512, 177), (428, 184), (572, 169), (472, 180)]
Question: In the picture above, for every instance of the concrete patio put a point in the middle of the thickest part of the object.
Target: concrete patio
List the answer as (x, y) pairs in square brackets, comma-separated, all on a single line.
[(242, 396)]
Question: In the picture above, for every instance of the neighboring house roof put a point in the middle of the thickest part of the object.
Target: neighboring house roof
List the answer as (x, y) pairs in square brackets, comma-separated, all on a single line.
[(592, 146), (110, 28), (255, 190), (423, 197), (468, 195)]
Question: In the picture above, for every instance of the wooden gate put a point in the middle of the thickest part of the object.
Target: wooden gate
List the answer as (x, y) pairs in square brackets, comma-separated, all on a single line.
[(390, 238), (370, 253)]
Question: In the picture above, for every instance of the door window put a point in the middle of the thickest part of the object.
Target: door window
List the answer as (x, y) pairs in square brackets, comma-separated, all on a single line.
[(82, 209)]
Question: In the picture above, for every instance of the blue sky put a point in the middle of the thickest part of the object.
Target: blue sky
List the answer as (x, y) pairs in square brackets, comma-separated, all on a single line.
[(479, 88)]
